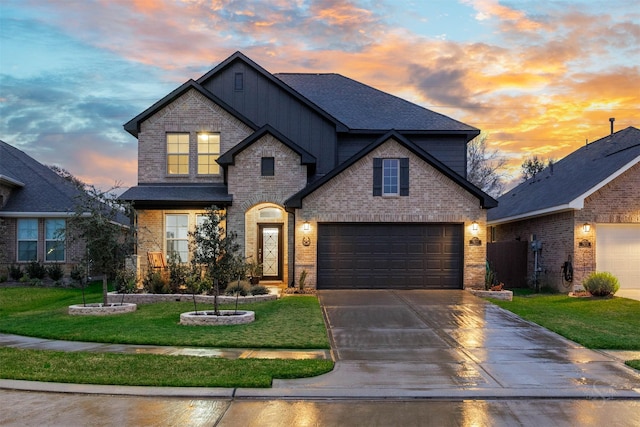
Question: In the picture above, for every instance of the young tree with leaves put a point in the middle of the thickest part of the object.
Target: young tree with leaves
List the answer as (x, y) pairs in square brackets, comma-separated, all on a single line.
[(484, 168), (216, 251), (102, 222)]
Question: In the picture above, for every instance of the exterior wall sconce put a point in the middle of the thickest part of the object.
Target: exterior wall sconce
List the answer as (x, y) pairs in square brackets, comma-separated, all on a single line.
[(306, 227), (586, 227), (475, 227)]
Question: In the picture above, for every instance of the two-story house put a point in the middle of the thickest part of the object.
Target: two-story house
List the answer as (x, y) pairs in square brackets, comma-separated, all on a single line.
[(316, 172)]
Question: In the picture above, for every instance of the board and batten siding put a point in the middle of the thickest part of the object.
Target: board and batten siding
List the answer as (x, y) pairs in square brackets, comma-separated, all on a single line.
[(264, 102)]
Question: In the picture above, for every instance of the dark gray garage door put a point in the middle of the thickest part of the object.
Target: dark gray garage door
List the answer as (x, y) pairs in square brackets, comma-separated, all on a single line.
[(381, 256)]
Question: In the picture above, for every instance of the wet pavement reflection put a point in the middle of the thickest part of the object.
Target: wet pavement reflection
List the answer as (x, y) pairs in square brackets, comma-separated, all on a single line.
[(56, 409)]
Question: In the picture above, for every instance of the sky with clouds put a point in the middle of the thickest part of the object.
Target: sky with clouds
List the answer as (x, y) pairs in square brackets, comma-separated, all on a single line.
[(540, 77)]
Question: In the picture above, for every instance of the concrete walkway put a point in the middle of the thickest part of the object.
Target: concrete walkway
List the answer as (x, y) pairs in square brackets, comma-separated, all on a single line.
[(407, 344)]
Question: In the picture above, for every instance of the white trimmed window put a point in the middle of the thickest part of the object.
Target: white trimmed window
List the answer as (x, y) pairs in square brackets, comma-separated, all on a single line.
[(54, 231), (27, 240), (208, 153), (390, 177), (178, 153), (177, 236)]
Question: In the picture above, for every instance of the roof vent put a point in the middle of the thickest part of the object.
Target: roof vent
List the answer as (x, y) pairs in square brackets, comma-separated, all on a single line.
[(611, 120)]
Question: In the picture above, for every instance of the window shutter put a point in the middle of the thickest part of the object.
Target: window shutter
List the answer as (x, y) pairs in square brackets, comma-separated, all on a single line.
[(377, 177), (404, 176)]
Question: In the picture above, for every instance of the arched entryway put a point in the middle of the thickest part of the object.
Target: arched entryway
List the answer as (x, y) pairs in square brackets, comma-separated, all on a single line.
[(266, 240)]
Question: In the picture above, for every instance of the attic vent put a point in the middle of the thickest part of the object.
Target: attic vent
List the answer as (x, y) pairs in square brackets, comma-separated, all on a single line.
[(238, 83)]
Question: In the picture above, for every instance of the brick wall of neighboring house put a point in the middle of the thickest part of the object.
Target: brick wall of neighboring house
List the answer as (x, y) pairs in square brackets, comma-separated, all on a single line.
[(433, 198), (556, 234), (253, 192), (74, 249), (191, 113)]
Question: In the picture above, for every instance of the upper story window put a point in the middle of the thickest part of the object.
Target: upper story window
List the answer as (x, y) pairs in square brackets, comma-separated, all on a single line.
[(54, 230), (27, 240), (267, 166), (178, 153), (391, 177), (208, 152)]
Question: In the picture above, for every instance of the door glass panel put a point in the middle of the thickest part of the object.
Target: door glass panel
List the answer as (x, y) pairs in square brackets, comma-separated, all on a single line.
[(270, 252)]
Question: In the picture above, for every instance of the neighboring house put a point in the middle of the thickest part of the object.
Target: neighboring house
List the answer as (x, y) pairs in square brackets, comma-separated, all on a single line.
[(35, 204), (584, 209), (316, 172)]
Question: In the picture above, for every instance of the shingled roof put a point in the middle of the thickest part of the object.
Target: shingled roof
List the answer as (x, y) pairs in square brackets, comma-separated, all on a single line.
[(566, 185), (36, 189), (362, 107)]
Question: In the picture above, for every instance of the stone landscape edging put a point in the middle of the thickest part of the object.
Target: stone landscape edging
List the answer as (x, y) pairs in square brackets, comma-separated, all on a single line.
[(116, 298), (503, 295)]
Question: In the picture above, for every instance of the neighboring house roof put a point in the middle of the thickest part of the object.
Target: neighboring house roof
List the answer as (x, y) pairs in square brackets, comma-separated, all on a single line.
[(163, 195), (362, 107), (572, 179), (133, 125), (228, 158), (486, 201), (38, 191)]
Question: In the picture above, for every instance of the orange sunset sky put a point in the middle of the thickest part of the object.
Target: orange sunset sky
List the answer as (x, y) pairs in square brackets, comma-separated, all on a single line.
[(540, 77)]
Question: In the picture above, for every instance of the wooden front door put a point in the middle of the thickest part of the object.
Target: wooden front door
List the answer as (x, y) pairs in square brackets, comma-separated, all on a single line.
[(270, 250)]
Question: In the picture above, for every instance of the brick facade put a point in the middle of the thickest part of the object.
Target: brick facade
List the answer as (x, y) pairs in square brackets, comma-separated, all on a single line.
[(562, 234), (433, 198), (191, 113)]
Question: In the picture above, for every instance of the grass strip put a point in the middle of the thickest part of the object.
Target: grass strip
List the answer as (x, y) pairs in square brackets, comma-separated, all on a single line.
[(152, 370), (596, 323)]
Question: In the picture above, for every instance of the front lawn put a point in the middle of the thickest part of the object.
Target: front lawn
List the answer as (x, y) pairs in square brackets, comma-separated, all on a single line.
[(611, 323), (292, 322), (288, 323)]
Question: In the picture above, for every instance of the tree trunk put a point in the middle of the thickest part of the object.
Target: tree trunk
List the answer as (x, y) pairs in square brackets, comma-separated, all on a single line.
[(105, 297)]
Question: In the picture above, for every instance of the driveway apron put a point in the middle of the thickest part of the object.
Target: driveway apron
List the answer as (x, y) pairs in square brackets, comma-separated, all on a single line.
[(452, 344)]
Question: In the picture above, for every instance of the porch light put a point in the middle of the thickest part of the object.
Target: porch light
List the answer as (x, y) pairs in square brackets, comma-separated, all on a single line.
[(306, 227), (586, 227), (474, 226)]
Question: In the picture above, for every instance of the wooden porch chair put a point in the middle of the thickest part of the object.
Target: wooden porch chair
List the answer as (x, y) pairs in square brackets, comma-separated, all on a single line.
[(157, 260)]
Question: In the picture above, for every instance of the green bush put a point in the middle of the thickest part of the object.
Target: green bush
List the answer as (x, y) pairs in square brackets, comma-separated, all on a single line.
[(155, 282), (601, 284), (125, 282), (258, 290), (235, 287), (35, 270), (55, 272), (15, 272)]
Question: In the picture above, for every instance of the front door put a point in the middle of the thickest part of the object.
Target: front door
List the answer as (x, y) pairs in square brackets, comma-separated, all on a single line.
[(270, 250)]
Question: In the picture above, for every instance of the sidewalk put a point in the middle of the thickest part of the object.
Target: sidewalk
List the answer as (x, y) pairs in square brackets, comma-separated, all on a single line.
[(17, 341)]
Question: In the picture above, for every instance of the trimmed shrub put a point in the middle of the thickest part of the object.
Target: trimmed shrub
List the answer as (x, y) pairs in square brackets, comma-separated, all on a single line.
[(55, 272), (35, 270), (241, 288), (259, 290), (601, 284), (156, 282), (15, 272)]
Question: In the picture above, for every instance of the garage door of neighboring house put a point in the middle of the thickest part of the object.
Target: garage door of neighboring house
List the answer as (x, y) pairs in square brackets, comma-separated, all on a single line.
[(618, 252), (384, 255)]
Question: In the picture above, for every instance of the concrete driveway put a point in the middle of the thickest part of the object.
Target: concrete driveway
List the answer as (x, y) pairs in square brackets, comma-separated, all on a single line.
[(451, 344)]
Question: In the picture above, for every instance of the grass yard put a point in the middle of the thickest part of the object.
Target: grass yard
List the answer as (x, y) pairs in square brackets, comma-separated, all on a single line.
[(288, 323), (611, 323)]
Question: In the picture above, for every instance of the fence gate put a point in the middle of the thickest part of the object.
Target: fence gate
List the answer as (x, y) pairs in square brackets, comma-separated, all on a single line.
[(509, 261)]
